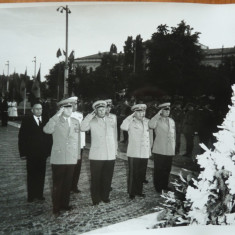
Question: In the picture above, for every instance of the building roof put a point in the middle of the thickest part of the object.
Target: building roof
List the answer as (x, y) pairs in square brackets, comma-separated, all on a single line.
[(219, 51), (95, 56)]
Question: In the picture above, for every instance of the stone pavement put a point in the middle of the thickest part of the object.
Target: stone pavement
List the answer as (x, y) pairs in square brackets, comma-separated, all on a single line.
[(19, 217)]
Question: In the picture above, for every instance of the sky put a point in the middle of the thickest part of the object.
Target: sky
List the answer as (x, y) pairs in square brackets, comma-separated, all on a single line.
[(29, 30)]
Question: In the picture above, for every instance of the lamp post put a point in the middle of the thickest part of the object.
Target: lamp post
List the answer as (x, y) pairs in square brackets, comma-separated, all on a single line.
[(66, 68), (8, 64)]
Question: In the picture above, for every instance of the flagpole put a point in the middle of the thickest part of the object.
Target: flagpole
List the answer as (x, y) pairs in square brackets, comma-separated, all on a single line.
[(24, 99), (25, 91), (40, 81), (8, 65)]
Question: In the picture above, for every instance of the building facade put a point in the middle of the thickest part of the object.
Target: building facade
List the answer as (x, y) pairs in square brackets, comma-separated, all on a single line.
[(214, 57)]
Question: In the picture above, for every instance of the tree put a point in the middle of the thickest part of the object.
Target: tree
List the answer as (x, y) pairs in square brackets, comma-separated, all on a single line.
[(128, 54), (138, 54), (174, 57), (55, 81), (113, 49)]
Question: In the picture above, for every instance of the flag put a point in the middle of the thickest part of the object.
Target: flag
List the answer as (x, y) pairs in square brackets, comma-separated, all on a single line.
[(71, 57), (58, 53), (36, 85)]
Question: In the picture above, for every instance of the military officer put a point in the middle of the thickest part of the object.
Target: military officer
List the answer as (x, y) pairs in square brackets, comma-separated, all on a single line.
[(103, 150), (138, 150), (163, 146), (65, 153)]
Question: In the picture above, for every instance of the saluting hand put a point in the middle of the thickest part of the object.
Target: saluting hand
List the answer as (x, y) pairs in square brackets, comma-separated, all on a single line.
[(131, 116), (61, 110), (93, 113), (159, 112)]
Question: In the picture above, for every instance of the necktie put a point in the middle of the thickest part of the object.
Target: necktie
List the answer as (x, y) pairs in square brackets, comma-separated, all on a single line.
[(39, 122)]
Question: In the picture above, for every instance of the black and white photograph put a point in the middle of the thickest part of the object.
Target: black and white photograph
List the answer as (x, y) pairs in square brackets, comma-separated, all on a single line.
[(117, 118)]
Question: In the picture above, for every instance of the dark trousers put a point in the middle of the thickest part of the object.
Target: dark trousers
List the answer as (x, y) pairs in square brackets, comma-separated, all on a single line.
[(177, 144), (189, 143), (101, 179), (76, 173), (62, 180), (36, 169), (4, 118), (136, 177), (162, 169)]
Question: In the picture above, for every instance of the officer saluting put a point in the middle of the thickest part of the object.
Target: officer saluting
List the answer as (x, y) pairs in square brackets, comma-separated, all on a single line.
[(65, 153), (138, 150), (103, 150)]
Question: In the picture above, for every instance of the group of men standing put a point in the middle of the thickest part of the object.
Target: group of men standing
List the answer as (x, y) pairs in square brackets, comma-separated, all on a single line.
[(66, 129)]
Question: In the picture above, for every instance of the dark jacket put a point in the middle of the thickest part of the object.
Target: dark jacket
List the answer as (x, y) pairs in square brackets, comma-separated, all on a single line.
[(33, 142)]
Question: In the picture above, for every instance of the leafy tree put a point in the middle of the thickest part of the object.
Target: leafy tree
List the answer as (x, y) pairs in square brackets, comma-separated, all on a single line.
[(138, 54), (128, 54), (175, 58), (113, 49), (55, 81)]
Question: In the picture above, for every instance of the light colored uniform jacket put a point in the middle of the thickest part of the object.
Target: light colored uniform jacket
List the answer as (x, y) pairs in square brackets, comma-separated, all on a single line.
[(79, 117), (103, 137), (140, 137), (66, 140), (165, 135)]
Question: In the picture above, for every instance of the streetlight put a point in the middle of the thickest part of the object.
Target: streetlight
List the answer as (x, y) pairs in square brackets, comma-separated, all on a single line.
[(66, 68), (35, 62), (8, 64)]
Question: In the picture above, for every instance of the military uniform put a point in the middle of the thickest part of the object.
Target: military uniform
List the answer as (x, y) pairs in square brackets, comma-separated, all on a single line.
[(138, 150), (163, 148), (64, 155), (102, 153)]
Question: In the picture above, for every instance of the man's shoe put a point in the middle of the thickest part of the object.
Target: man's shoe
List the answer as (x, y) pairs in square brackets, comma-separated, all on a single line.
[(76, 190), (159, 191), (95, 203), (106, 201), (30, 200), (141, 195), (132, 197), (41, 198), (145, 181), (56, 213), (67, 208)]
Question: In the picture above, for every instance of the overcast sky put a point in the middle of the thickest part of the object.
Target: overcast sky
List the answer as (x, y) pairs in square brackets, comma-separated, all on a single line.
[(29, 30)]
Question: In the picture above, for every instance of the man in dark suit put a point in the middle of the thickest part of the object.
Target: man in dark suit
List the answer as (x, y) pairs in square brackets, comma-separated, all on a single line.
[(35, 147), (4, 111)]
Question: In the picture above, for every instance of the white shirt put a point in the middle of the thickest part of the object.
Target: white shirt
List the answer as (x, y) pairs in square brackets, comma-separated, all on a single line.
[(36, 119), (68, 120)]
